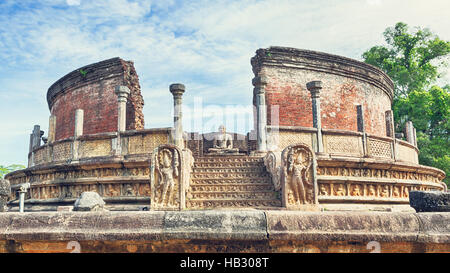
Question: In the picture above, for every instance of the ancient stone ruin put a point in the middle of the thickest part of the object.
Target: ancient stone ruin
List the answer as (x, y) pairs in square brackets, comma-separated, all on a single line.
[(323, 138), (321, 171)]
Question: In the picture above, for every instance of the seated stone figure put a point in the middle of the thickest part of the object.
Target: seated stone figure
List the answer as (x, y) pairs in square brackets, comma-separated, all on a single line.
[(223, 143)]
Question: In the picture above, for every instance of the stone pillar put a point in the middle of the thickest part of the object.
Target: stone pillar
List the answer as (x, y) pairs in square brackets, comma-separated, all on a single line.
[(78, 131), (51, 128), (36, 136), (314, 87), (122, 93), (35, 141), (22, 191), (79, 120), (389, 117), (360, 118), (415, 139), (177, 90), (409, 130), (261, 112)]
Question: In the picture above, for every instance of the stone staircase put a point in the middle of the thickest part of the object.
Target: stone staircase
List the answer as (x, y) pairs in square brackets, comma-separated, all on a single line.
[(231, 181)]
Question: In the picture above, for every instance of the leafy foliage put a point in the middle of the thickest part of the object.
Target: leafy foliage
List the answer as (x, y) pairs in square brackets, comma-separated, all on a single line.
[(409, 58), (14, 167), (412, 60)]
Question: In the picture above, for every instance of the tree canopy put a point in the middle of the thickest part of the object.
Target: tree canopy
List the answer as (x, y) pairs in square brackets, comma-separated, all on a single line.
[(412, 58), (7, 169)]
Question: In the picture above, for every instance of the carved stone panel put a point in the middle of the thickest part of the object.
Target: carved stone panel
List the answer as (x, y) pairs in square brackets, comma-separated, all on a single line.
[(299, 183), (5, 192), (167, 187), (272, 163)]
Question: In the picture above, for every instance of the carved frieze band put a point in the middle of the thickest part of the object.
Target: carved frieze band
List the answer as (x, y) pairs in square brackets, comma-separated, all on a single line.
[(365, 184), (369, 190)]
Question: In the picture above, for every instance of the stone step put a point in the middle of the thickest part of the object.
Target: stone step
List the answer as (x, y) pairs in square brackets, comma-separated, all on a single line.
[(231, 187), (246, 195), (227, 159), (230, 170), (228, 165), (221, 181), (236, 175), (232, 203)]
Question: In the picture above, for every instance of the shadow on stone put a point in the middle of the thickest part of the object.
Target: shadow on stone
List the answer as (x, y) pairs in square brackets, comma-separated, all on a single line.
[(430, 201)]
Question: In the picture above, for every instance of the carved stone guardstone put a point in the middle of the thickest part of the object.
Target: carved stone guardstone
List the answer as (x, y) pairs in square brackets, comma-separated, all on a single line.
[(272, 161), (167, 181), (5, 192), (298, 178)]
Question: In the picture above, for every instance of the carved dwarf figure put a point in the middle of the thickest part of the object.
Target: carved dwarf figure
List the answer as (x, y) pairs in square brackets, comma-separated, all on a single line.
[(356, 190), (5, 192), (223, 142)]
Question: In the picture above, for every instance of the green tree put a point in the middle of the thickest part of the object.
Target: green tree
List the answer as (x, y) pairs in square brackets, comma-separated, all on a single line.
[(14, 167), (412, 60)]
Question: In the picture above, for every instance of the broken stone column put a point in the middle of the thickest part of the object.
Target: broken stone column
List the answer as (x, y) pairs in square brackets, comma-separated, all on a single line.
[(51, 128), (261, 112), (122, 93), (36, 136), (79, 119), (35, 142), (78, 131), (409, 131), (389, 117), (314, 88), (360, 126), (360, 118), (177, 90)]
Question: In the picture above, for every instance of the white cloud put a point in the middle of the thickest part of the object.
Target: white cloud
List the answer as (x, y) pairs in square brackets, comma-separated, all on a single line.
[(73, 2), (207, 45)]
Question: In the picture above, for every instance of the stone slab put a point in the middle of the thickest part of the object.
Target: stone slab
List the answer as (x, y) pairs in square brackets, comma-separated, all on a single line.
[(228, 230), (430, 201), (342, 226)]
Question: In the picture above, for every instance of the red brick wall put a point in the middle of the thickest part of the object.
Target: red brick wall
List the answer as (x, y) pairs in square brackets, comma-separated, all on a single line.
[(94, 93), (346, 83), (99, 104), (339, 97)]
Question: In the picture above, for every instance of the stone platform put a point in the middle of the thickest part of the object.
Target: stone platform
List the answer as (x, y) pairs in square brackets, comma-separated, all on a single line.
[(236, 231)]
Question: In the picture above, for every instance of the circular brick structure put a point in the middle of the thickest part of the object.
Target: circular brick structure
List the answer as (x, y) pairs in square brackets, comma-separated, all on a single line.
[(360, 164), (346, 83), (91, 88)]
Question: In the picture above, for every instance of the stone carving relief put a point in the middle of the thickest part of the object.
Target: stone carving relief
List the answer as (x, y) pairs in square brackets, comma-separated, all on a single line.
[(166, 179), (298, 176), (272, 163), (5, 192)]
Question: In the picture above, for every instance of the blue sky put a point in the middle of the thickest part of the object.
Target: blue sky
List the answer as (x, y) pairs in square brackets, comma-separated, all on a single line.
[(207, 45)]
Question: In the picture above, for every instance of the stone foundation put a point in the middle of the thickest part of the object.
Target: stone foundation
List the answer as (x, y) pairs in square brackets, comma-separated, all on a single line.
[(237, 231)]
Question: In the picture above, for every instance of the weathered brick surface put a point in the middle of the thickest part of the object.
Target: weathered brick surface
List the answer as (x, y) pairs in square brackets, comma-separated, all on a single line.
[(94, 93), (346, 84)]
